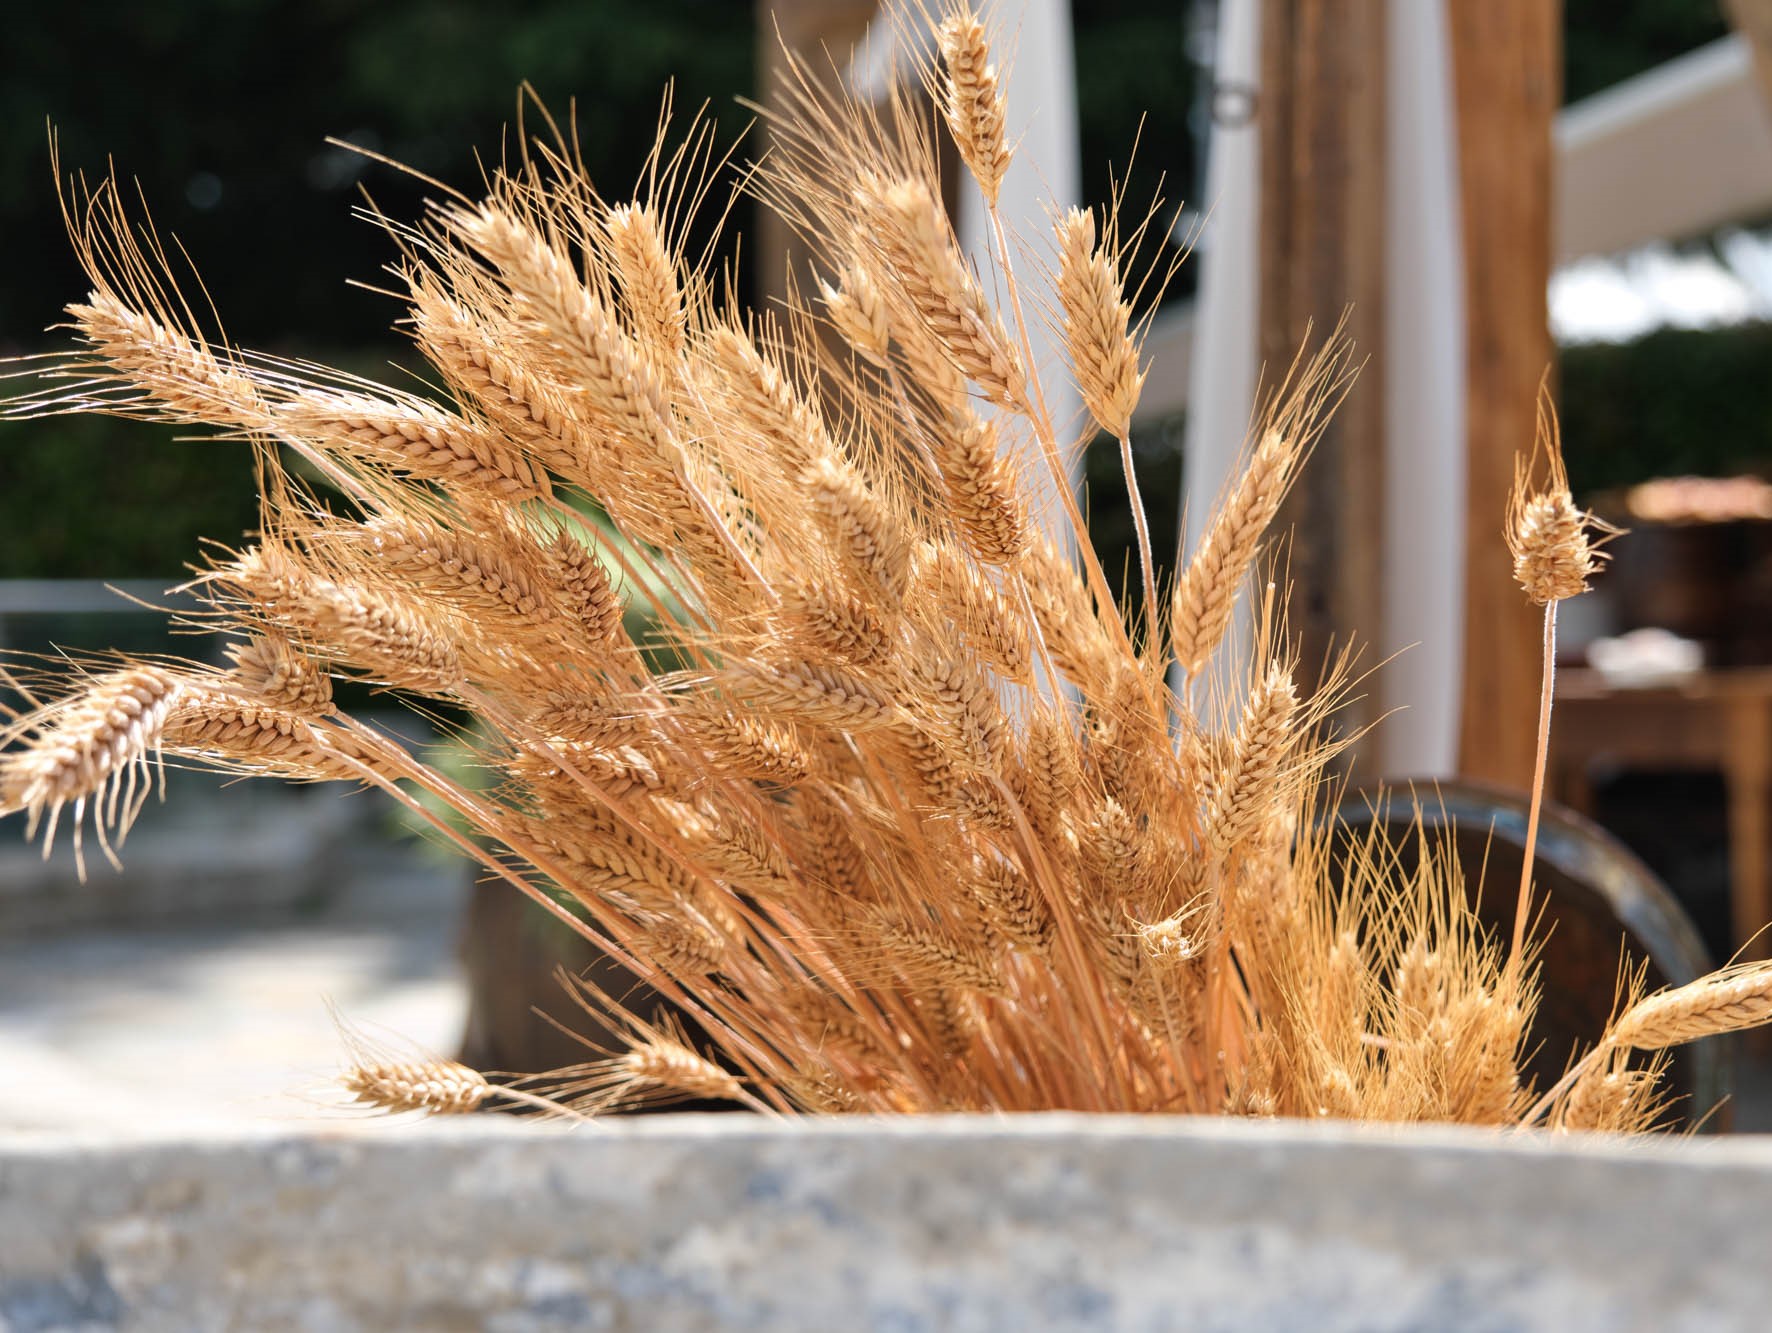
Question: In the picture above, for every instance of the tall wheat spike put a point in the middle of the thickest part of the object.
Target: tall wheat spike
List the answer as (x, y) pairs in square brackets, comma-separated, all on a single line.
[(887, 804)]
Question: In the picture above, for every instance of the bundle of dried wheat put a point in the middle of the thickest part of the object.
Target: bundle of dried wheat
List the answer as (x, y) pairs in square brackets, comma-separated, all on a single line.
[(912, 820)]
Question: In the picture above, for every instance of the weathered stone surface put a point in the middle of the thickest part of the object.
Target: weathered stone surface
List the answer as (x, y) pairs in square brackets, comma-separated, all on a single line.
[(1040, 1222), (216, 847)]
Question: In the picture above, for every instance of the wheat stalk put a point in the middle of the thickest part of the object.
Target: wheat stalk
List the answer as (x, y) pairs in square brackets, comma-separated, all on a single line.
[(918, 245), (416, 438), (859, 314), (1097, 326), (1206, 593), (90, 751), (1553, 559)]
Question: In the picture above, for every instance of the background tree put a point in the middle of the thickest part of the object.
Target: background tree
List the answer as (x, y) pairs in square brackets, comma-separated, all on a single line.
[(221, 109)]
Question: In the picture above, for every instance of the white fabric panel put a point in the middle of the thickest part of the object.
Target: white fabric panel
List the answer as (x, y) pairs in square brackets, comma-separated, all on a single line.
[(1222, 367), (1037, 65), (1424, 376)]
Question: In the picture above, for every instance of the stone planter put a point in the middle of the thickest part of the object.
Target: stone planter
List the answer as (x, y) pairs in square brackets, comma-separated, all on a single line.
[(1033, 1222)]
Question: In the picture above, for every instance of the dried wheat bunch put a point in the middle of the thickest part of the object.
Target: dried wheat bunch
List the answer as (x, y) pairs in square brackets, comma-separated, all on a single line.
[(887, 802)]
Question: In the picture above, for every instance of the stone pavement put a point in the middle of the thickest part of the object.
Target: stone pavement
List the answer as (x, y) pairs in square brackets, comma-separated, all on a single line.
[(162, 1003), (211, 1018)]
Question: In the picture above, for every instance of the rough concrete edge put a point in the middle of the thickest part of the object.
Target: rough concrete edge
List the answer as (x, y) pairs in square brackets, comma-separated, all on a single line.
[(705, 1222), (1733, 1152)]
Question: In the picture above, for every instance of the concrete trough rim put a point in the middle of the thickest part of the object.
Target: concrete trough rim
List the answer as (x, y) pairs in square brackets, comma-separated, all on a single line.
[(965, 1222), (1749, 1150)]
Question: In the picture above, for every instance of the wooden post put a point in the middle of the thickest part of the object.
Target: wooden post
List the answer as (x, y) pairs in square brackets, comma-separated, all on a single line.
[(1753, 20), (1322, 118), (1507, 64), (822, 33)]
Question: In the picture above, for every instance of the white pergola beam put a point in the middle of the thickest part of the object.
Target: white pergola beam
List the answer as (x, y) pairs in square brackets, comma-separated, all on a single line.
[(1681, 150)]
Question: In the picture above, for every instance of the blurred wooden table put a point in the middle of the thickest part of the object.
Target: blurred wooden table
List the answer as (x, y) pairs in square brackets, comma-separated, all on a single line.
[(1719, 721)]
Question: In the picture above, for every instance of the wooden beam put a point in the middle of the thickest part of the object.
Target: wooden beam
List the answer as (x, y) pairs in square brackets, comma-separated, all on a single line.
[(1753, 20), (1322, 253), (1507, 60), (1626, 173)]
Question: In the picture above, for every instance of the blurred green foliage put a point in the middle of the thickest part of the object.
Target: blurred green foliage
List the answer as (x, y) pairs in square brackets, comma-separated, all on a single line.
[(222, 107), (93, 497), (1607, 41), (1674, 402)]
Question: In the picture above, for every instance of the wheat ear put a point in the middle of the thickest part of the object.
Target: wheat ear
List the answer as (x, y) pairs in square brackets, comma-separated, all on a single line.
[(421, 440), (181, 376), (435, 1087), (982, 491), (918, 246), (859, 313), (492, 575), (648, 278), (1248, 786), (243, 733), (1724, 1002), (669, 1064), (89, 749), (270, 668), (974, 103), (1097, 324), (1206, 593)]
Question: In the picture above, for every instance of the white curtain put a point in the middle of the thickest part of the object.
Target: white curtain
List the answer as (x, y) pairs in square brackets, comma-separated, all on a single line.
[(1424, 410), (1036, 61)]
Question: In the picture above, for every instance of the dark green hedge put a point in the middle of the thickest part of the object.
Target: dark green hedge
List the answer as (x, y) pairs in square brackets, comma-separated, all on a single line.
[(1606, 41), (93, 497), (1674, 402), (233, 159)]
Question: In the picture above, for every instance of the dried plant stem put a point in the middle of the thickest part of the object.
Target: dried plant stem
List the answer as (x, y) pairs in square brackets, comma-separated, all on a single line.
[(1546, 691), (734, 548), (1537, 1110), (913, 429), (503, 1092), (1072, 947), (1103, 353), (440, 1087), (1731, 1000), (1142, 525)]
